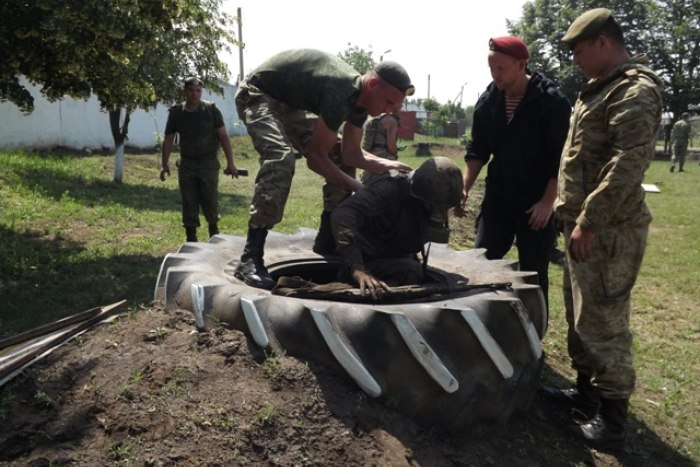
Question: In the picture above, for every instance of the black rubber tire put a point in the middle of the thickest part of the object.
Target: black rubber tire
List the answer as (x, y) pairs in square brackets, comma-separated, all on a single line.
[(446, 360)]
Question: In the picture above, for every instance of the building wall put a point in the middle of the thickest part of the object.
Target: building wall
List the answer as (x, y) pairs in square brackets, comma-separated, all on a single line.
[(81, 124)]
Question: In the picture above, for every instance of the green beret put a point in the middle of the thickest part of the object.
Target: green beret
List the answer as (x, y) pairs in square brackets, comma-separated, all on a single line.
[(586, 26)]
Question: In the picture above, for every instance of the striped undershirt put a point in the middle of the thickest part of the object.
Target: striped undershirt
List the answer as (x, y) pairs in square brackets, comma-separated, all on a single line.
[(511, 105)]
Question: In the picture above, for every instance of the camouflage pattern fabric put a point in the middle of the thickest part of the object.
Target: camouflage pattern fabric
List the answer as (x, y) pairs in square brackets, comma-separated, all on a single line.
[(198, 181), (610, 145), (279, 133), (374, 141), (597, 303)]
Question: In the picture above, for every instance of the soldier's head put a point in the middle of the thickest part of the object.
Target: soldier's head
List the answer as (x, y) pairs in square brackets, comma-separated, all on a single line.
[(685, 116), (507, 57), (384, 88), (438, 183), (597, 42), (192, 87)]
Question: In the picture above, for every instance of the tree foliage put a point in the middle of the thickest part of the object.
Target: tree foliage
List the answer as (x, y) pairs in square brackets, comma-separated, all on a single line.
[(666, 30), (129, 53), (360, 59)]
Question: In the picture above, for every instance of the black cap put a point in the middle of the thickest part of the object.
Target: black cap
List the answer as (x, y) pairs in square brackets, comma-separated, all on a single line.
[(396, 75), (193, 81)]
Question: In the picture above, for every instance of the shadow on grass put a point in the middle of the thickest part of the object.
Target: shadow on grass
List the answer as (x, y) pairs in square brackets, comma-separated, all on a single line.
[(40, 280), (57, 184)]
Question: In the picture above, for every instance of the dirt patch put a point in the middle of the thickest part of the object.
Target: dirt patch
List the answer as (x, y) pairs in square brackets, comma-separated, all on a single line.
[(150, 390)]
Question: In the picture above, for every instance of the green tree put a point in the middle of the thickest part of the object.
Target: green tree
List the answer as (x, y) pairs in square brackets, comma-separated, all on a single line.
[(360, 59), (668, 31), (130, 54)]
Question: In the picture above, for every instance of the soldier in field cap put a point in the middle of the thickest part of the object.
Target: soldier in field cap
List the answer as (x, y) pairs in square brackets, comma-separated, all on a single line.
[(600, 204), (519, 127)]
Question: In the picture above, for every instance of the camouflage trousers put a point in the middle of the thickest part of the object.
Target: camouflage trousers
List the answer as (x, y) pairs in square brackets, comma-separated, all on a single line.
[(198, 181), (597, 301), (279, 133), (369, 177)]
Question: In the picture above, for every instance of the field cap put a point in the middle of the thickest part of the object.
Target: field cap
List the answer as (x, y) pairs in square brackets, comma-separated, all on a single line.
[(396, 75), (510, 45), (586, 26), (193, 81)]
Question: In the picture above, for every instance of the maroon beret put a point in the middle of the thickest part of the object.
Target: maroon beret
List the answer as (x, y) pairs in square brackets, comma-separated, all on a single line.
[(510, 45)]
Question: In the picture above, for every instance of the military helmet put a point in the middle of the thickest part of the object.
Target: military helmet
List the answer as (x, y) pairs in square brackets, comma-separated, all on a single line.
[(438, 182)]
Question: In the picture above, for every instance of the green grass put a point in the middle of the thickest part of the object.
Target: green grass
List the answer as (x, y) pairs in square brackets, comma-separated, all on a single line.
[(71, 239)]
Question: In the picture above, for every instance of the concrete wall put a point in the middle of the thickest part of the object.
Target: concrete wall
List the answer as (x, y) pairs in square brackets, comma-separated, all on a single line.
[(81, 124)]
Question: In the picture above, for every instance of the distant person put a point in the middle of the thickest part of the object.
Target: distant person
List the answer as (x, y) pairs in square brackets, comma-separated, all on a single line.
[(379, 137), (381, 229), (667, 138), (202, 130), (520, 124), (680, 139), (294, 103), (600, 202)]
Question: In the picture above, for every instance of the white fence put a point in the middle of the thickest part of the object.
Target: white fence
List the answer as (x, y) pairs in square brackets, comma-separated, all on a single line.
[(81, 124)]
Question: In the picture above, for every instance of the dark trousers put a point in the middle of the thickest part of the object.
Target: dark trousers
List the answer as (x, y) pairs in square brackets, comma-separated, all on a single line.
[(496, 230), (199, 186)]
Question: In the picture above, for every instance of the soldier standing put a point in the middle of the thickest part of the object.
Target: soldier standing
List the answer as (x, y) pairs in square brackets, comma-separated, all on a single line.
[(202, 130), (379, 137), (680, 138), (600, 201)]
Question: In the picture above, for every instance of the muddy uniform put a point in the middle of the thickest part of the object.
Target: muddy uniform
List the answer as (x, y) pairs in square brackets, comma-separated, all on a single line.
[(198, 167), (374, 140), (609, 147), (280, 103), (680, 136), (381, 228)]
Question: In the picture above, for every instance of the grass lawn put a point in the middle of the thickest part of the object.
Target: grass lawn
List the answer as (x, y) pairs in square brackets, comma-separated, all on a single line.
[(71, 239)]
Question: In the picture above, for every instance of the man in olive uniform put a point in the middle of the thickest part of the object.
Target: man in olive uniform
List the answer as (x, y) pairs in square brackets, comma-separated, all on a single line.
[(600, 202), (379, 137), (381, 229), (294, 103), (201, 128), (680, 138)]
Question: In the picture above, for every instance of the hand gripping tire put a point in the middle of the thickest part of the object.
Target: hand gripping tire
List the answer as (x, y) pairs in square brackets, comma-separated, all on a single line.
[(449, 356)]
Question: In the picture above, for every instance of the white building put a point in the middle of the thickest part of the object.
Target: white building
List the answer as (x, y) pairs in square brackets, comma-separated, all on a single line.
[(81, 124)]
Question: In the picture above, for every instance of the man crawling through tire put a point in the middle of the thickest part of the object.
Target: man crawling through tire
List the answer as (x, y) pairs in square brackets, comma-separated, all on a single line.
[(380, 230)]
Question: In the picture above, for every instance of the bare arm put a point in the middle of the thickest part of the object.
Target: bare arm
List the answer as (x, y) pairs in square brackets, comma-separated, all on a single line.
[(317, 159), (166, 149), (228, 151), (541, 211), (391, 127), (354, 156), (471, 172)]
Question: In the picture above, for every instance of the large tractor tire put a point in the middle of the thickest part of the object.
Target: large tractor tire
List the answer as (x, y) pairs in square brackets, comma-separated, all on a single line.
[(464, 347)]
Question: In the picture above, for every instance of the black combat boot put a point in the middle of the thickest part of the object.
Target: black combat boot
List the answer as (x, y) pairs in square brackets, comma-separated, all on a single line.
[(251, 268), (582, 398), (191, 233), (324, 243), (213, 229), (606, 431)]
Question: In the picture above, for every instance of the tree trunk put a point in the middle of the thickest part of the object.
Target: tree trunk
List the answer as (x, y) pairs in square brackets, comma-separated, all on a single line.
[(119, 133)]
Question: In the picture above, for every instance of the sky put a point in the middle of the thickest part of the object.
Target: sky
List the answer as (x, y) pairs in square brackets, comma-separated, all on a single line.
[(443, 44)]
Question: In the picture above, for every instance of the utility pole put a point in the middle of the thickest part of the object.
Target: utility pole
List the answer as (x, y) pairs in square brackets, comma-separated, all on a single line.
[(240, 46)]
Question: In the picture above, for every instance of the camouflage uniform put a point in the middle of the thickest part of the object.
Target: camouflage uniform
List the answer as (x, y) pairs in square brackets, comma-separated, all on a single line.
[(609, 147), (280, 103), (374, 140), (680, 136), (198, 167)]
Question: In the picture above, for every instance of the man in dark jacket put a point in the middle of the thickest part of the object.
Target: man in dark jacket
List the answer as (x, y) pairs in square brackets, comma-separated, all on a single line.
[(380, 229), (522, 121)]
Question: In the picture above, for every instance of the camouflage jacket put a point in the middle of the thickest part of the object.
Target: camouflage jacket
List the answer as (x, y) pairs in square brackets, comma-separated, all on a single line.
[(611, 142)]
